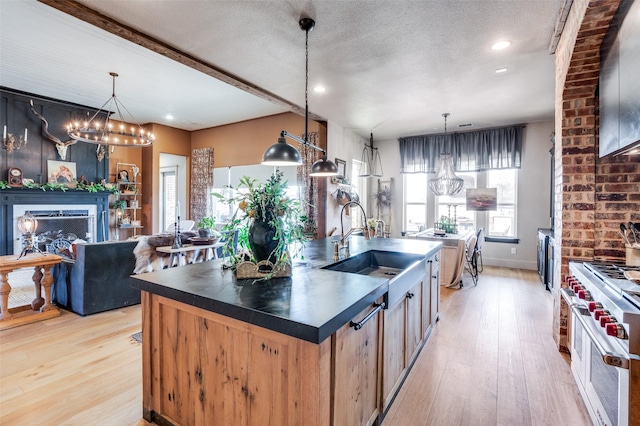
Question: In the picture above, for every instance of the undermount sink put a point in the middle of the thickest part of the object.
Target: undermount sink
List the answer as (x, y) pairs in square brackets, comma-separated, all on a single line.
[(401, 269), (374, 262)]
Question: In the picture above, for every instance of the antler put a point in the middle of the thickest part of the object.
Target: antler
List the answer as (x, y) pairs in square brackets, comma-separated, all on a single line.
[(60, 146)]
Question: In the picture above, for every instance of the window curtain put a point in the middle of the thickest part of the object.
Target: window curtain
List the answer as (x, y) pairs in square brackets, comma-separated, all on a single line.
[(307, 185), (499, 148), (201, 182)]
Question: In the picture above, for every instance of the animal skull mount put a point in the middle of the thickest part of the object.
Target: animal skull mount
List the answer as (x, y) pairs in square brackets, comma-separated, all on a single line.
[(61, 147)]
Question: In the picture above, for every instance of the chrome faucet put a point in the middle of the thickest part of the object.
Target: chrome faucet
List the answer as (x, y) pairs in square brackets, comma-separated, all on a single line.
[(343, 236)]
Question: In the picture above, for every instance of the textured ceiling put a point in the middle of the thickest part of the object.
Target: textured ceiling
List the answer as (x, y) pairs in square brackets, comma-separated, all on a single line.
[(390, 66)]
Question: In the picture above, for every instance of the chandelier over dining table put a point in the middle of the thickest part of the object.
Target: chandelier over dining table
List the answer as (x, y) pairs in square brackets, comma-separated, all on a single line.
[(446, 182), (117, 130)]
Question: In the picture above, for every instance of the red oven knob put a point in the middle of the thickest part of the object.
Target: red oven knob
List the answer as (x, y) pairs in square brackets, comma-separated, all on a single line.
[(616, 330), (606, 319), (576, 287), (599, 312), (568, 279), (594, 305), (584, 294)]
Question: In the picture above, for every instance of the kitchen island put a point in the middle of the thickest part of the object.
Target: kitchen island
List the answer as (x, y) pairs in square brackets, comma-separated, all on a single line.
[(301, 350)]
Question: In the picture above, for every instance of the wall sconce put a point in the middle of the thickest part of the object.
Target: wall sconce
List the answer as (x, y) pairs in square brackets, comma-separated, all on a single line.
[(9, 140), (27, 224)]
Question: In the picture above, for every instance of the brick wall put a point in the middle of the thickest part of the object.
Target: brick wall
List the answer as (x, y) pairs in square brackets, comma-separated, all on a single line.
[(585, 202)]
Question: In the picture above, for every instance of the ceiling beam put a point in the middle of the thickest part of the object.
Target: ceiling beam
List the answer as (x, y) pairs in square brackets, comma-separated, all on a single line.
[(112, 26)]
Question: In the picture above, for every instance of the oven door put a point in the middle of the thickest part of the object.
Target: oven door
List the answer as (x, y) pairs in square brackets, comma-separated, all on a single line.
[(601, 368)]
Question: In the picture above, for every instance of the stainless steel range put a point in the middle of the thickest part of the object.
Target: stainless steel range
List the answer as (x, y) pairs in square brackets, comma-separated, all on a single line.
[(605, 340)]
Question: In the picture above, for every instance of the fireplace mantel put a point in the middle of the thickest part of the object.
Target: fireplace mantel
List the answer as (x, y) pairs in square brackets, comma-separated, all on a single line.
[(17, 196)]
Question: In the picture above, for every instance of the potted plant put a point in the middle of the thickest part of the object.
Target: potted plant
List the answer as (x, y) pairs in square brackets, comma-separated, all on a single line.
[(372, 224), (206, 225), (268, 221)]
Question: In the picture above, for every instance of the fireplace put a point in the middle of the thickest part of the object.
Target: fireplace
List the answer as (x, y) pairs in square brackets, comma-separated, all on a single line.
[(60, 219), (85, 214)]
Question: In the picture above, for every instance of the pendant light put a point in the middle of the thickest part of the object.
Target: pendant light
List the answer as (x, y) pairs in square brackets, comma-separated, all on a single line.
[(371, 160), (446, 182), (283, 154)]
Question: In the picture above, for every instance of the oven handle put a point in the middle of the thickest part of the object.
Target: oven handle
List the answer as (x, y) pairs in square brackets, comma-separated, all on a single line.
[(609, 358)]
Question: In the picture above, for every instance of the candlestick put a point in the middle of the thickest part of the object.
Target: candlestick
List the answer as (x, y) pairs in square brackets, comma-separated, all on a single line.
[(25, 134), (4, 132), (178, 208)]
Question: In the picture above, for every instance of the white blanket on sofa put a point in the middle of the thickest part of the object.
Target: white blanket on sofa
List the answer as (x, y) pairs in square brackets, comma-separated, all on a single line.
[(147, 258)]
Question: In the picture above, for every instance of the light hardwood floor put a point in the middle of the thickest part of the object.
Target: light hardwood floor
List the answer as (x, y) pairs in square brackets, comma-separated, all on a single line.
[(490, 361)]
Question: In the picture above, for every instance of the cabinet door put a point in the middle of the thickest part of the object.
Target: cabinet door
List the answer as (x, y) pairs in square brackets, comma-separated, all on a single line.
[(356, 367), (414, 322), (393, 358), (426, 300)]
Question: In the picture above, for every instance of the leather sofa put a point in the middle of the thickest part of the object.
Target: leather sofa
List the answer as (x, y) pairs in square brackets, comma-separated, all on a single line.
[(98, 280)]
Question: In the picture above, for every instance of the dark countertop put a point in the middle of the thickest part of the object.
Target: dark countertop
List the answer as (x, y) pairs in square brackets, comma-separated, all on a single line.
[(310, 305)]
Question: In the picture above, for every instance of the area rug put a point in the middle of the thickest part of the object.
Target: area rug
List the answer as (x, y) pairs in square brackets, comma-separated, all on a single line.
[(22, 288), (137, 337)]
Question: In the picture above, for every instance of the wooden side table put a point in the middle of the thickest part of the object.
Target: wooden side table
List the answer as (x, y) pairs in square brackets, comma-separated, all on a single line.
[(178, 256), (41, 308)]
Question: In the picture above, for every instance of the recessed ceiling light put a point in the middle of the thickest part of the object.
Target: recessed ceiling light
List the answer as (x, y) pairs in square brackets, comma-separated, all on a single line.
[(501, 70), (501, 45), (169, 117), (319, 89)]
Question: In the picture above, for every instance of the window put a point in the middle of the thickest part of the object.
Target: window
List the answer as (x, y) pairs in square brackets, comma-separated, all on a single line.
[(456, 206), (415, 202), (168, 191), (502, 222), (422, 209)]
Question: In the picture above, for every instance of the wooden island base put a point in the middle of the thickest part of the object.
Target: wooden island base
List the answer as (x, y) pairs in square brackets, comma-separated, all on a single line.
[(323, 348), (199, 365)]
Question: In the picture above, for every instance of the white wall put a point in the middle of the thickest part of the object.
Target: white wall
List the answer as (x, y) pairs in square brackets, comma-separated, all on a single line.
[(533, 197), (344, 144)]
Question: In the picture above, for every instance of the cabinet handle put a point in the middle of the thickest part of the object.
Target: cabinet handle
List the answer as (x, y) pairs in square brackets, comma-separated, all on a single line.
[(410, 295), (359, 325)]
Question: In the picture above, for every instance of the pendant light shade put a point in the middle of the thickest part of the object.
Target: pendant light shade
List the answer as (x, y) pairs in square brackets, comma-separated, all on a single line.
[(281, 154), (324, 167), (446, 182)]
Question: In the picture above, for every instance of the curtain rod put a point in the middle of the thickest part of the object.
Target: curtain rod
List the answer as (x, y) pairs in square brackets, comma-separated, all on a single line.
[(469, 131)]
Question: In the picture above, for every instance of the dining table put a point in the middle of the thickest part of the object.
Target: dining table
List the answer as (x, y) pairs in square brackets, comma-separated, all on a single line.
[(454, 246)]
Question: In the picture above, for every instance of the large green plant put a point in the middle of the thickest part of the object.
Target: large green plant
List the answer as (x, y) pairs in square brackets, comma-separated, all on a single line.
[(269, 203)]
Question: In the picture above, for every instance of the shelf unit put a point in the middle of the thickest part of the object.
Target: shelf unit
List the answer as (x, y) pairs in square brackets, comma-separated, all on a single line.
[(127, 217)]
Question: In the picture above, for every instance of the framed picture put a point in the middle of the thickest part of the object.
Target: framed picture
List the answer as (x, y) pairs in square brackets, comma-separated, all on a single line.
[(342, 167), (482, 199), (62, 172)]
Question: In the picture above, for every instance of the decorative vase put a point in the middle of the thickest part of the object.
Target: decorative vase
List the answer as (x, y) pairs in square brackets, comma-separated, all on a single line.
[(261, 241), (204, 232)]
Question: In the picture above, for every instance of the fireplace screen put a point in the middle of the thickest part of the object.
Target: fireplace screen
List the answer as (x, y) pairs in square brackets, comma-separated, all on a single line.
[(66, 224)]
